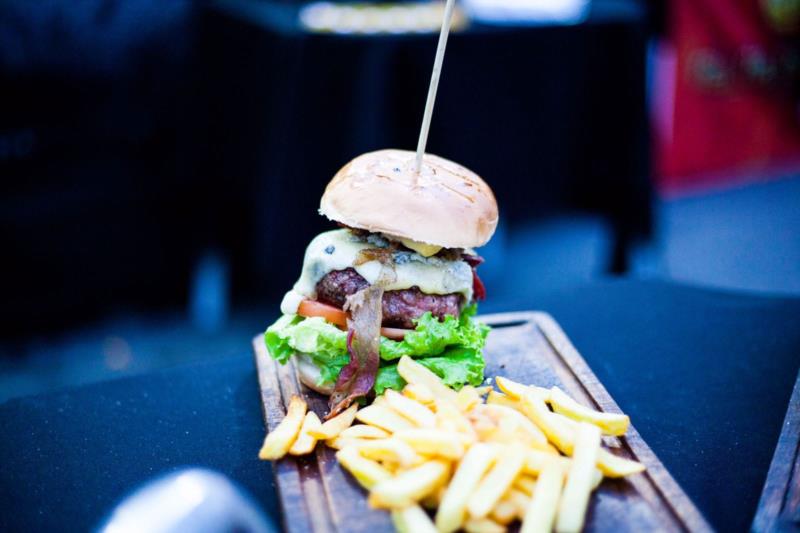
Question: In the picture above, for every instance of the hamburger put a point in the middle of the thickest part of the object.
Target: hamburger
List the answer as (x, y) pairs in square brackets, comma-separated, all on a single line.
[(398, 277)]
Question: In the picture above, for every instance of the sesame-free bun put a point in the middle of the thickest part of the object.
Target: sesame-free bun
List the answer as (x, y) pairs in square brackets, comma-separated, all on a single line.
[(444, 205), (309, 374)]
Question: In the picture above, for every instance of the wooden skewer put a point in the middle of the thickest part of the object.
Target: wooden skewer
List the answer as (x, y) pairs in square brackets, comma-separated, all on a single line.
[(437, 69)]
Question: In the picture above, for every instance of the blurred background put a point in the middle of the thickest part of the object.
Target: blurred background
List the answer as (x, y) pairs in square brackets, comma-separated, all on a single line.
[(162, 160)]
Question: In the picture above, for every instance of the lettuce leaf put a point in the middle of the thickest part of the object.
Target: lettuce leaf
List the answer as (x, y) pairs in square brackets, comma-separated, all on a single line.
[(450, 348)]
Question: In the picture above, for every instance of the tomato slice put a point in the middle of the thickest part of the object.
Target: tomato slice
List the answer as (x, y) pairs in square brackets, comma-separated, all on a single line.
[(337, 317), (334, 315)]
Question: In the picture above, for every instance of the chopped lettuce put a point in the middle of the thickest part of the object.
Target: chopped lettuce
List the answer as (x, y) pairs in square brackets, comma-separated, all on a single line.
[(450, 348)]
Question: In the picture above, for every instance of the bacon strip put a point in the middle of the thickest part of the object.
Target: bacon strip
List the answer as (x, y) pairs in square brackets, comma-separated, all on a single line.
[(478, 288), (363, 344)]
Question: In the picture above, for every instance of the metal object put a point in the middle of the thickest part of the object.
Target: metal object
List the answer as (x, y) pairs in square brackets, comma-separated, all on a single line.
[(194, 500)]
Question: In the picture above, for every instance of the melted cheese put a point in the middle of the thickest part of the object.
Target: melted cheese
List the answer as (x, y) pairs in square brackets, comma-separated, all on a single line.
[(338, 250)]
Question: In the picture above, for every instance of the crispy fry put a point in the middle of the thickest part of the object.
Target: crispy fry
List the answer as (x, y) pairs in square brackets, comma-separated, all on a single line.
[(419, 392), (467, 398), (433, 442), (364, 431), (413, 372), (449, 418), (517, 390), (524, 422), (519, 499), (383, 417), (504, 512), (498, 398), (337, 443), (525, 483), (483, 525), (470, 470), (331, 428), (410, 486), (392, 449), (305, 442), (609, 423), (416, 412), (613, 466), (536, 460), (579, 485), (279, 440), (497, 481), (541, 511), (556, 431), (366, 471), (412, 519)]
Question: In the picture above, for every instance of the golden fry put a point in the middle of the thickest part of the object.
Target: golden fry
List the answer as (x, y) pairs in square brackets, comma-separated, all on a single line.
[(383, 417), (279, 440), (416, 412), (419, 392), (415, 373), (392, 449), (331, 428), (517, 390), (470, 470), (541, 511), (609, 423), (580, 480), (433, 442), (305, 443), (366, 471), (410, 486), (412, 519), (483, 525), (363, 431), (497, 481)]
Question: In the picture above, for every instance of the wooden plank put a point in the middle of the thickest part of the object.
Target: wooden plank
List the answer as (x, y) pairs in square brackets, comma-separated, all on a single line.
[(779, 507), (317, 495)]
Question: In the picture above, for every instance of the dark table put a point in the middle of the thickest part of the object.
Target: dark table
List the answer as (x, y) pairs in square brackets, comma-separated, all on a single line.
[(705, 375)]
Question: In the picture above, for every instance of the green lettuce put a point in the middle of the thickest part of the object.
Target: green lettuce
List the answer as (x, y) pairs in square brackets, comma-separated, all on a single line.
[(450, 348)]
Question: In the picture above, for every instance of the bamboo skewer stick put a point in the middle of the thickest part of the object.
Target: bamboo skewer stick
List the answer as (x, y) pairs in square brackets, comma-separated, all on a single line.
[(437, 70)]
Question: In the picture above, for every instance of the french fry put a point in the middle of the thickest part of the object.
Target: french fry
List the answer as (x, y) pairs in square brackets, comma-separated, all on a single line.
[(419, 392), (541, 511), (557, 432), (416, 412), (366, 471), (519, 499), (483, 525), (383, 417), (504, 512), (609, 423), (612, 466), (413, 372), (536, 460), (331, 428), (498, 398), (412, 519), (467, 398), (392, 449), (304, 443), (279, 440), (497, 481), (524, 422), (449, 418), (517, 390), (410, 486), (580, 480), (483, 390), (475, 463), (525, 483), (433, 442), (363, 431)]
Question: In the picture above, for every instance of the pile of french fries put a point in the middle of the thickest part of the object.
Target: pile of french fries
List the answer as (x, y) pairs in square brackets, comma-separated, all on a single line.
[(478, 459)]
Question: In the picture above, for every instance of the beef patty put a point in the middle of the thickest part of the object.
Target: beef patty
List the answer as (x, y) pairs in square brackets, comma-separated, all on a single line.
[(400, 308)]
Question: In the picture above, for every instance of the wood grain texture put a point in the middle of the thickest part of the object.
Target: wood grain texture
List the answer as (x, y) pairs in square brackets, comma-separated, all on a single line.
[(318, 496), (779, 507)]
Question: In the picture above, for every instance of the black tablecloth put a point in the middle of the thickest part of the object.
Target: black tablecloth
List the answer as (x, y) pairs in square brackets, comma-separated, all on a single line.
[(705, 375)]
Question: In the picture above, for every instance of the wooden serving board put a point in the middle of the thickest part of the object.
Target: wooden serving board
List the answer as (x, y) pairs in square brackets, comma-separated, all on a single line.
[(779, 508), (319, 496)]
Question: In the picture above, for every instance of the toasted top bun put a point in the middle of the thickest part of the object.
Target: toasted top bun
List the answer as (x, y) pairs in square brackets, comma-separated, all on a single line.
[(444, 205)]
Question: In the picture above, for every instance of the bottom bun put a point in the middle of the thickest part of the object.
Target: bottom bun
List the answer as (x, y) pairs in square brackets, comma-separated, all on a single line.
[(309, 374)]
